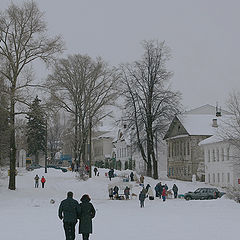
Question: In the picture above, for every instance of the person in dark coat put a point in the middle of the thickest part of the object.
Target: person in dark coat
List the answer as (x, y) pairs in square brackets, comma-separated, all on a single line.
[(95, 171), (87, 213), (175, 190), (69, 211), (131, 176), (36, 181), (142, 197), (115, 191), (127, 192)]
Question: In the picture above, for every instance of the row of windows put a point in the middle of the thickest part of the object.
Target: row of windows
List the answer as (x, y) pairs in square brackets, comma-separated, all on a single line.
[(178, 148), (219, 178), (216, 155), (179, 171), (122, 152)]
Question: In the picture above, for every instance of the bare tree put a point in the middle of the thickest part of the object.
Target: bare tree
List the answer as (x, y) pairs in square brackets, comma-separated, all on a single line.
[(82, 87), (150, 102), (23, 40)]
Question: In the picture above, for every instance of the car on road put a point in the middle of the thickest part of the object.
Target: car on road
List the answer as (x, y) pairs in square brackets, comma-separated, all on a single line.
[(33, 166), (57, 167), (203, 193)]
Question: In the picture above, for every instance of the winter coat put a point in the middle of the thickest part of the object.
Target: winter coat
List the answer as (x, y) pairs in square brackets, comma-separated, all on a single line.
[(43, 180), (127, 191), (115, 189), (175, 188), (164, 192), (150, 192), (142, 179), (69, 210), (110, 190), (142, 196), (36, 178), (166, 187), (87, 213)]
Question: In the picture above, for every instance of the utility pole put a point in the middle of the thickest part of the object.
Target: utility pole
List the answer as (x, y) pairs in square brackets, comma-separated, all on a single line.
[(90, 147), (46, 148)]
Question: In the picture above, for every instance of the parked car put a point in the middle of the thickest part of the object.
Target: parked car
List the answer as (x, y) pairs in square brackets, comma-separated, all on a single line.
[(33, 166), (203, 193), (57, 167)]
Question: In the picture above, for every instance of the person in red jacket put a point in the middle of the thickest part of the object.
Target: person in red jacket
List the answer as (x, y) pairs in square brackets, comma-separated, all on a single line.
[(164, 194), (43, 180)]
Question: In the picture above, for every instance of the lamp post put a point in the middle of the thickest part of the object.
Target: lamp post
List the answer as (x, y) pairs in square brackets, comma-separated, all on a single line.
[(46, 148)]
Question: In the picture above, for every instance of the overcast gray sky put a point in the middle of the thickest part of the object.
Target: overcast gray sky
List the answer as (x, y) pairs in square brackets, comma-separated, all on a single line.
[(204, 37)]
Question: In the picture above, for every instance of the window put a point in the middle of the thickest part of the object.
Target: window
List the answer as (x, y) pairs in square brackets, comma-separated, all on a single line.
[(218, 177), (169, 150), (222, 150), (223, 180), (188, 149), (213, 177), (209, 179), (228, 177), (217, 155), (213, 155), (228, 152), (189, 170), (184, 149), (209, 157)]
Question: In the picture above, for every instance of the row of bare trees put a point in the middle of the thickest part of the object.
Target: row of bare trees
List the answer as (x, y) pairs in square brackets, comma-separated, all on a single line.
[(82, 86)]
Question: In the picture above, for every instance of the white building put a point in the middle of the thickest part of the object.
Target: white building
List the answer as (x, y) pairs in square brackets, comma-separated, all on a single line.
[(221, 160)]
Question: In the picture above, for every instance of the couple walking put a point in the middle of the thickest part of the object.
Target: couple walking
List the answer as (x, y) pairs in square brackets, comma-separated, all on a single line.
[(70, 211)]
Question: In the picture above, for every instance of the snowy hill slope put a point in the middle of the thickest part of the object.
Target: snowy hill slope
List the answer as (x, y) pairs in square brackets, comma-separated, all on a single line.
[(27, 213)]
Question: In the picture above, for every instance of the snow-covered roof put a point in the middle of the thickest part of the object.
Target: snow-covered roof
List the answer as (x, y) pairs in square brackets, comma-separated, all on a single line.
[(207, 110), (197, 124)]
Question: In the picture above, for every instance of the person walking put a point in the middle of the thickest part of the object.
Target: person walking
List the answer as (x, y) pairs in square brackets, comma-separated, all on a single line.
[(164, 194), (69, 211), (36, 181), (43, 180), (141, 180), (87, 213), (131, 176), (110, 191), (127, 192), (175, 190), (142, 197), (95, 171)]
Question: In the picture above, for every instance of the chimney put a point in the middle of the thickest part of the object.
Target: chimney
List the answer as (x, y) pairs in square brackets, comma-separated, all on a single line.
[(214, 123)]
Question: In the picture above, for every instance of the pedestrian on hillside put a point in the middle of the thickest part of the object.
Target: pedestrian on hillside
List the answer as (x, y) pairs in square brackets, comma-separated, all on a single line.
[(110, 191), (131, 176), (175, 190), (164, 194), (142, 180), (36, 181), (127, 192), (43, 180), (142, 197), (69, 211), (87, 213), (115, 191), (95, 171), (148, 186)]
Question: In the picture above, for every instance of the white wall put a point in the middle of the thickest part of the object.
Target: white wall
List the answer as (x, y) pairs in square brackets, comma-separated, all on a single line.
[(221, 168)]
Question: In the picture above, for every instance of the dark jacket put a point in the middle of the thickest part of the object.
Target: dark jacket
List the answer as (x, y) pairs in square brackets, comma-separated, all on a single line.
[(87, 213), (175, 188), (142, 196), (69, 210)]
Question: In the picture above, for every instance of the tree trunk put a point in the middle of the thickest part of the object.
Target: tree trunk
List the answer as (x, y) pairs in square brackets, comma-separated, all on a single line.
[(90, 147), (12, 177)]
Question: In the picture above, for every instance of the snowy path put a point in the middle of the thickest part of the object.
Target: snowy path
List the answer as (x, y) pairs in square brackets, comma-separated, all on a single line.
[(26, 213)]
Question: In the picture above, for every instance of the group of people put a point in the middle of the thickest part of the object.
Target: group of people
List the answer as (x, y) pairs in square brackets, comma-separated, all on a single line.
[(70, 211), (161, 192), (43, 180)]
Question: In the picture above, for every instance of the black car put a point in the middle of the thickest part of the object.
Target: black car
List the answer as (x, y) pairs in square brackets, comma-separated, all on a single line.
[(203, 193), (33, 166)]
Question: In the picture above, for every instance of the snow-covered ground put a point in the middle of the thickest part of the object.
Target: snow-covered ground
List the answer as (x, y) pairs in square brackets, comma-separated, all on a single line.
[(27, 214)]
